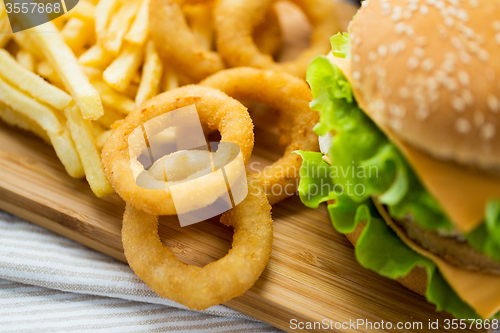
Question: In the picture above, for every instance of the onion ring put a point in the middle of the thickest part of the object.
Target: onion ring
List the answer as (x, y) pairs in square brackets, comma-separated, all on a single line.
[(235, 19), (215, 109), (290, 96), (176, 43), (268, 35), (217, 282)]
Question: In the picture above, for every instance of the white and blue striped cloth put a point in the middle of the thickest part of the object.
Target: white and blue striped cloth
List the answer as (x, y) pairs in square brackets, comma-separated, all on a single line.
[(51, 284)]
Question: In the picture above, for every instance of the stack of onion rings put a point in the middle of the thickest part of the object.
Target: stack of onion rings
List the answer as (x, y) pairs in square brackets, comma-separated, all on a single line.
[(176, 42), (234, 22), (215, 109), (290, 96), (217, 282), (192, 286), (178, 45)]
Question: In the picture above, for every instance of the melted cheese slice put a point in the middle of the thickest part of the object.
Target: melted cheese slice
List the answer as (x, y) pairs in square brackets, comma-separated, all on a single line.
[(479, 290), (462, 192)]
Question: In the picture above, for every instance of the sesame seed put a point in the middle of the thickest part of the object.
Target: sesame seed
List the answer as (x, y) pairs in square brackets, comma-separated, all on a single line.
[(419, 52), (365, 3), (464, 57), (424, 10), (497, 38), (449, 21), (456, 42), (458, 104), (462, 15), (356, 58), (356, 75), (422, 112), (474, 3), (372, 56), (462, 125), (396, 13), (382, 50), (448, 66), (478, 118), (493, 103), (399, 28), (428, 64), (421, 41), (484, 55), (413, 62), (407, 15), (413, 6), (496, 25), (468, 97), (379, 105), (396, 124), (404, 92), (451, 84), (488, 131), (441, 75), (463, 77)]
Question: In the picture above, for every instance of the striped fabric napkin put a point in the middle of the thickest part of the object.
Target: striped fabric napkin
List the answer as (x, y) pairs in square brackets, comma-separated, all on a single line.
[(51, 284)]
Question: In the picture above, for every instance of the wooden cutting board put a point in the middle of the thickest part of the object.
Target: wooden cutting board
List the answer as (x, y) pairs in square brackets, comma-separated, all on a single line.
[(312, 275)]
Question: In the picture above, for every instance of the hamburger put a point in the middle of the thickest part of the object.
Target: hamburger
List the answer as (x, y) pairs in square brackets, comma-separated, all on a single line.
[(409, 101)]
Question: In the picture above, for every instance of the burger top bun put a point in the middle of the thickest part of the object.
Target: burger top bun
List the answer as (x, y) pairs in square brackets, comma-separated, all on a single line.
[(430, 71)]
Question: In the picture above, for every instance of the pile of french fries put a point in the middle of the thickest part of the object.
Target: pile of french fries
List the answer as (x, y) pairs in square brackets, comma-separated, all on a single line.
[(72, 80)]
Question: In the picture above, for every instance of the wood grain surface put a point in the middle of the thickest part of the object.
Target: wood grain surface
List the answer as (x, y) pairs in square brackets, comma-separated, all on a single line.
[(312, 275)]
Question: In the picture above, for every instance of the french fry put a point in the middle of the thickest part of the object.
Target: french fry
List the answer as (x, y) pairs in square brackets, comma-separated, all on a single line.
[(19, 120), (109, 118), (97, 129), (131, 91), (66, 65), (84, 10), (66, 152), (103, 11), (96, 56), (24, 41), (101, 139), (45, 70), (139, 30), (5, 30), (77, 33), (81, 132), (31, 83), (94, 74), (118, 26), (151, 75), (25, 59), (48, 119), (113, 99), (121, 71), (170, 79)]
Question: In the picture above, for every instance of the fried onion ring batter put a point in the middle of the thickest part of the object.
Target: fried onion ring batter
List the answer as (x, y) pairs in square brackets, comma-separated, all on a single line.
[(219, 281), (290, 96), (216, 109), (176, 42)]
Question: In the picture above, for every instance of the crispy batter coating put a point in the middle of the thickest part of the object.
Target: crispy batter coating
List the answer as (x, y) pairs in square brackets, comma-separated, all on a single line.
[(219, 281), (215, 109), (290, 96)]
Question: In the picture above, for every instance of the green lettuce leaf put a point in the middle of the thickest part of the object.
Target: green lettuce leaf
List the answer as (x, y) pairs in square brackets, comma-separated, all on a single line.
[(341, 45), (486, 238), (366, 164)]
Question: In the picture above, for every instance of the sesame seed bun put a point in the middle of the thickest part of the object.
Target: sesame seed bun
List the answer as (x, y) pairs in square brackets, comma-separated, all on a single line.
[(429, 70)]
